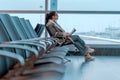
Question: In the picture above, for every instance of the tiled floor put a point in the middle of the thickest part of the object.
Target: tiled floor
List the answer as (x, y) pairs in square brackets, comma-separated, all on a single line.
[(103, 68)]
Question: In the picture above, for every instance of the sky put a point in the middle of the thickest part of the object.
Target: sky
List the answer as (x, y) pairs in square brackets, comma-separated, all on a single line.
[(82, 22)]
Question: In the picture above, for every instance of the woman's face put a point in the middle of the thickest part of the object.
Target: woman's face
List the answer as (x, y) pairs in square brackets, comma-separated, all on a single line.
[(55, 17)]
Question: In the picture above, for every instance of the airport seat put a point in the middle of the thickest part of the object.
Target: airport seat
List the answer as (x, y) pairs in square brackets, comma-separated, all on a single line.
[(18, 49), (8, 28), (11, 59), (18, 43), (38, 29), (29, 26), (39, 39), (30, 32), (4, 55), (5, 45)]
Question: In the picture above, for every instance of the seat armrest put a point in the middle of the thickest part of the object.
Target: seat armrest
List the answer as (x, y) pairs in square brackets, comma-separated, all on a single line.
[(29, 43), (12, 55), (34, 51)]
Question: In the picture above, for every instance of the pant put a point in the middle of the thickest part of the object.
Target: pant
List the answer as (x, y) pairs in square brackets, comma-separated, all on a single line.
[(79, 43)]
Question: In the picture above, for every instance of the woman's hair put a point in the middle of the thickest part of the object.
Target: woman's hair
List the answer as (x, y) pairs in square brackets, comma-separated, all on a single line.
[(49, 16)]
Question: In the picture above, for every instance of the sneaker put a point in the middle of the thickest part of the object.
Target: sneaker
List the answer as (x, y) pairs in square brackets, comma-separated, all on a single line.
[(90, 50), (88, 57)]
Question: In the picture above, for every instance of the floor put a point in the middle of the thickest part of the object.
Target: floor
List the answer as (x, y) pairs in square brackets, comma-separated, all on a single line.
[(103, 68)]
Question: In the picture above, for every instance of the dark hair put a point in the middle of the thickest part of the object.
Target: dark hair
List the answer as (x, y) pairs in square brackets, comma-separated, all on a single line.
[(49, 16)]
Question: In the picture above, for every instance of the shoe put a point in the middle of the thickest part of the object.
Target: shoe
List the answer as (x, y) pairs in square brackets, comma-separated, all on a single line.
[(88, 57), (90, 50)]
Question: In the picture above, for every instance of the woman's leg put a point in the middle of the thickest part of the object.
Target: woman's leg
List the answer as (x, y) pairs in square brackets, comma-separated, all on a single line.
[(76, 38), (80, 44), (80, 48)]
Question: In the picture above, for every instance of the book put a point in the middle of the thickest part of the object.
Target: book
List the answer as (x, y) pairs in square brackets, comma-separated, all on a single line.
[(73, 30)]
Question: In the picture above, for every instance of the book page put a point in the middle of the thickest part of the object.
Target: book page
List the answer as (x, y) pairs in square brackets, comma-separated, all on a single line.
[(73, 30)]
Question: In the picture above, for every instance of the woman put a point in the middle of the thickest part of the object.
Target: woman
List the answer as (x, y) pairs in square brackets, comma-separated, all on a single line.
[(56, 30)]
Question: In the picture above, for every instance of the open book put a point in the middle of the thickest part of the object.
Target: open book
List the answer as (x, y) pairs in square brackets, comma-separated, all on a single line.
[(73, 31)]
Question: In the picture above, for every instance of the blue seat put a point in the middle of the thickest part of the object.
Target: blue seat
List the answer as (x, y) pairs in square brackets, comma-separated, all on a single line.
[(26, 28), (21, 37), (41, 27), (15, 48), (11, 56), (28, 25), (8, 57), (38, 29)]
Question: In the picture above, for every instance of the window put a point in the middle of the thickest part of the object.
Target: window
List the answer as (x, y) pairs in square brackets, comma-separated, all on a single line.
[(22, 5), (90, 17)]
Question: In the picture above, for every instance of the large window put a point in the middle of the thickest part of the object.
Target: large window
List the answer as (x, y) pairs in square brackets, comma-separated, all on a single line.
[(99, 25), (22, 4), (99, 18), (89, 5), (79, 5)]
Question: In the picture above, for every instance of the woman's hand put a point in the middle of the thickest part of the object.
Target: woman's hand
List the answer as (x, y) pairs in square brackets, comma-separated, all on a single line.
[(68, 35)]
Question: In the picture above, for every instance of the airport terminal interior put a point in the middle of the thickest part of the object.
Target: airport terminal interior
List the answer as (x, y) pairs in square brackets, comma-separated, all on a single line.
[(29, 52)]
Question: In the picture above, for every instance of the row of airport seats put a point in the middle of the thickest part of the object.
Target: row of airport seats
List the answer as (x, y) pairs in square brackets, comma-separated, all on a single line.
[(23, 53)]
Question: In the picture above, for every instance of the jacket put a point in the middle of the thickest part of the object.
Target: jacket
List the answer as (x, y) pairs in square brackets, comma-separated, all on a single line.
[(55, 30)]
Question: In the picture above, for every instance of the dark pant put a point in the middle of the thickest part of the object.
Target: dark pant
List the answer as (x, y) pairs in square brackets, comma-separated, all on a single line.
[(79, 43)]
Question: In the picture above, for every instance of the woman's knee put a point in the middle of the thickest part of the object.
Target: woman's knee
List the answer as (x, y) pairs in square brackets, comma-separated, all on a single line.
[(75, 36)]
